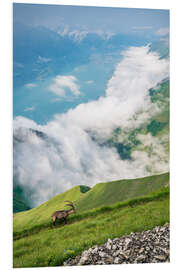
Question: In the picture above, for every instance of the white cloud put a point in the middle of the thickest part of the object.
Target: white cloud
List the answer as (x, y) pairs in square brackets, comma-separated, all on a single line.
[(78, 35), (30, 85), (18, 65), (68, 155), (29, 109), (56, 100), (162, 32), (142, 27), (43, 59), (61, 83), (89, 82)]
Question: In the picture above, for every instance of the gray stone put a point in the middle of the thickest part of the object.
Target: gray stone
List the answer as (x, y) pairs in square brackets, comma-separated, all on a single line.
[(151, 246), (160, 257), (108, 245), (83, 260), (116, 260), (102, 254), (141, 258)]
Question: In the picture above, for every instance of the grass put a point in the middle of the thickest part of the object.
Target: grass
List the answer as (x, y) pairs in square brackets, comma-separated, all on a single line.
[(102, 194), (52, 246), (42, 214), (111, 192)]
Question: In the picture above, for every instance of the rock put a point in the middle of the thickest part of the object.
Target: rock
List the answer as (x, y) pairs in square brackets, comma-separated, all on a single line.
[(160, 257), (110, 241), (124, 255), (141, 258), (109, 260), (85, 253), (108, 246), (151, 246), (127, 241), (83, 260), (102, 254), (115, 254), (95, 250), (116, 260), (100, 262), (141, 250)]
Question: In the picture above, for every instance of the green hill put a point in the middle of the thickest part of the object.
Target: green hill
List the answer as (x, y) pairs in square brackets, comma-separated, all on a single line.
[(51, 246), (111, 192), (101, 194), (42, 213)]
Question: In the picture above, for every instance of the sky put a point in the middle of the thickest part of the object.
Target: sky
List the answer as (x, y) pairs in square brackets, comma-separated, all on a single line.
[(91, 18)]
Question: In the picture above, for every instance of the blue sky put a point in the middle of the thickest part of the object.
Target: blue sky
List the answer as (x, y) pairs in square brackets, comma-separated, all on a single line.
[(92, 18), (38, 54)]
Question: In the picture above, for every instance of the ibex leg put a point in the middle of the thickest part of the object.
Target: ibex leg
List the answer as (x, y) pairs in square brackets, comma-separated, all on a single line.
[(54, 220)]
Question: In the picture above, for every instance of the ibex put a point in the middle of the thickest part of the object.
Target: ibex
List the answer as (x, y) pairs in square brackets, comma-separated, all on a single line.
[(63, 213)]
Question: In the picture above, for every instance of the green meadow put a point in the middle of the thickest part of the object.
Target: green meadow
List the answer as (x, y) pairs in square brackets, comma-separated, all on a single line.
[(108, 210)]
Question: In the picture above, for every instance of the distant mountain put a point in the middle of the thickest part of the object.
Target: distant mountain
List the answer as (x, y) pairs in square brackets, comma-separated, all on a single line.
[(19, 201), (39, 52)]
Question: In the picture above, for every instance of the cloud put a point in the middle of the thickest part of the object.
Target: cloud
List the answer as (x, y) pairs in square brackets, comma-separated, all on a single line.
[(30, 109), (69, 149), (165, 40), (18, 65), (56, 100), (30, 85), (89, 82), (43, 59), (78, 35), (162, 32), (142, 27), (61, 83)]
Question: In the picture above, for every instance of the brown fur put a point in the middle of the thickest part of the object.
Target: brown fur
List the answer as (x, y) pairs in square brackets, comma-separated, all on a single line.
[(63, 214)]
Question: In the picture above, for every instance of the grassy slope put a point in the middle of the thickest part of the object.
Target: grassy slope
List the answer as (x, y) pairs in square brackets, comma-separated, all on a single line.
[(42, 213), (100, 195), (112, 192), (52, 246)]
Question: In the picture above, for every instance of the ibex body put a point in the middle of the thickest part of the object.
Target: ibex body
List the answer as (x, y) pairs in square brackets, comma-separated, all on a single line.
[(63, 214)]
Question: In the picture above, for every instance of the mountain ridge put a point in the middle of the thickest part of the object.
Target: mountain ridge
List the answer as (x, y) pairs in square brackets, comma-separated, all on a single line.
[(102, 194)]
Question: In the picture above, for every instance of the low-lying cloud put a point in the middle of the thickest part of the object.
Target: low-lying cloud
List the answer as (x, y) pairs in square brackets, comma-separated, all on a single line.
[(68, 150)]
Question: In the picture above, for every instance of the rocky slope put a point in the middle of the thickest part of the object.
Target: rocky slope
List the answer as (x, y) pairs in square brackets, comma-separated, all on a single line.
[(150, 246)]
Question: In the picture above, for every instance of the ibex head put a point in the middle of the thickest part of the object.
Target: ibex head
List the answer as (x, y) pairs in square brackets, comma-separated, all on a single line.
[(72, 210)]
